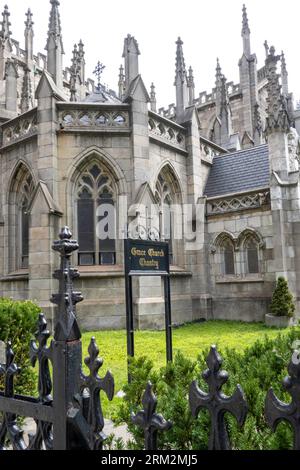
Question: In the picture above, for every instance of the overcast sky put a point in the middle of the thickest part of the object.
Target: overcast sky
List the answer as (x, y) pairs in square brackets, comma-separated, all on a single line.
[(209, 29)]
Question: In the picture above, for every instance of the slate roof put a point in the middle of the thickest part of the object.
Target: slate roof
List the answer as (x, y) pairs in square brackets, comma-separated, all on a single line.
[(103, 95), (239, 172)]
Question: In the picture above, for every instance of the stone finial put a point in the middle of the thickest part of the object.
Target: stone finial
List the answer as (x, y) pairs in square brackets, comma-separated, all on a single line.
[(218, 73), (246, 34), (6, 24), (283, 63), (191, 78), (29, 23), (131, 46), (74, 73), (121, 83), (266, 46), (245, 29), (153, 98), (278, 118), (181, 82), (180, 63), (26, 96), (284, 76), (75, 59), (81, 52), (131, 54), (191, 86)]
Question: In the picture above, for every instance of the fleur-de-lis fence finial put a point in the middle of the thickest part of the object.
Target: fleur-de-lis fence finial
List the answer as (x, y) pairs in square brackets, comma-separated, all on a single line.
[(8, 428), (277, 411), (41, 354), (216, 402), (92, 385), (150, 421), (66, 328)]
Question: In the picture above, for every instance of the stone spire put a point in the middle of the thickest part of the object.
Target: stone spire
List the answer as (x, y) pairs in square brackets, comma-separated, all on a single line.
[(277, 113), (29, 34), (191, 86), (131, 58), (181, 82), (153, 98), (54, 47), (246, 33), (121, 83), (6, 24), (284, 76), (26, 97)]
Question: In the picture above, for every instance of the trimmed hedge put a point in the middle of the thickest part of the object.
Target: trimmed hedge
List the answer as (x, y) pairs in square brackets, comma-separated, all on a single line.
[(18, 323), (260, 367)]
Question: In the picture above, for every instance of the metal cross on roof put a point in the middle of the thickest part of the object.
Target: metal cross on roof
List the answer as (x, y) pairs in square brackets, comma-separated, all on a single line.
[(98, 72)]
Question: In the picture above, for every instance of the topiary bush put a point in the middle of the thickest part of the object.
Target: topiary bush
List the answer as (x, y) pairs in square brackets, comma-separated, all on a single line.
[(282, 304), (260, 367), (18, 323)]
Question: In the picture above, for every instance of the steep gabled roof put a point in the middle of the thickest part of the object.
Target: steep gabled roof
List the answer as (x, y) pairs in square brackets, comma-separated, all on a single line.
[(241, 171)]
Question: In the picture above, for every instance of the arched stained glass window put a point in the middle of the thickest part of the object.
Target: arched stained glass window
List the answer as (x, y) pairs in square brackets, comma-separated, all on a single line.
[(96, 196)]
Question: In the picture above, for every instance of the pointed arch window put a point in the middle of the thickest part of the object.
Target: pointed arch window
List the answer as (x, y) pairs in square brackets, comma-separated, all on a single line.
[(251, 251), (228, 259), (96, 225), (165, 198), (26, 192)]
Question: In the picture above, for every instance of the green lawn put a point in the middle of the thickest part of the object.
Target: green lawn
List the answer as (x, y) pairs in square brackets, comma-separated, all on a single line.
[(190, 339)]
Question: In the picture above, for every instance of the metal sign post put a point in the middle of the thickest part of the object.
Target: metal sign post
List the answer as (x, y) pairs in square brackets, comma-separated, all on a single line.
[(147, 258)]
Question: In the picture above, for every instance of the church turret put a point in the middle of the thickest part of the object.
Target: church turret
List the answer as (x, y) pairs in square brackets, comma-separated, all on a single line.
[(29, 34), (246, 33), (181, 83), (131, 58), (54, 47)]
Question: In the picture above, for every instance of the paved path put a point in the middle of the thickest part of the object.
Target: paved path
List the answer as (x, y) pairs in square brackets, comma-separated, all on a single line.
[(29, 427)]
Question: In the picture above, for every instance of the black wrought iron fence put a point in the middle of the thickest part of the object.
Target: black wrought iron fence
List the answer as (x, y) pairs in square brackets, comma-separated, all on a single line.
[(68, 413)]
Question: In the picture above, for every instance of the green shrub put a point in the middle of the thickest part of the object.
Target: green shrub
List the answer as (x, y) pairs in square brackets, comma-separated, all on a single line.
[(260, 367), (18, 323), (282, 301)]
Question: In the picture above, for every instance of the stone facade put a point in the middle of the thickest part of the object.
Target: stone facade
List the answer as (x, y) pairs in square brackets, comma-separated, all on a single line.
[(65, 140)]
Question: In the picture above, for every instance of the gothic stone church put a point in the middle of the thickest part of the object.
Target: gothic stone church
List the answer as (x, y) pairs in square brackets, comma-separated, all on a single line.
[(69, 145)]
